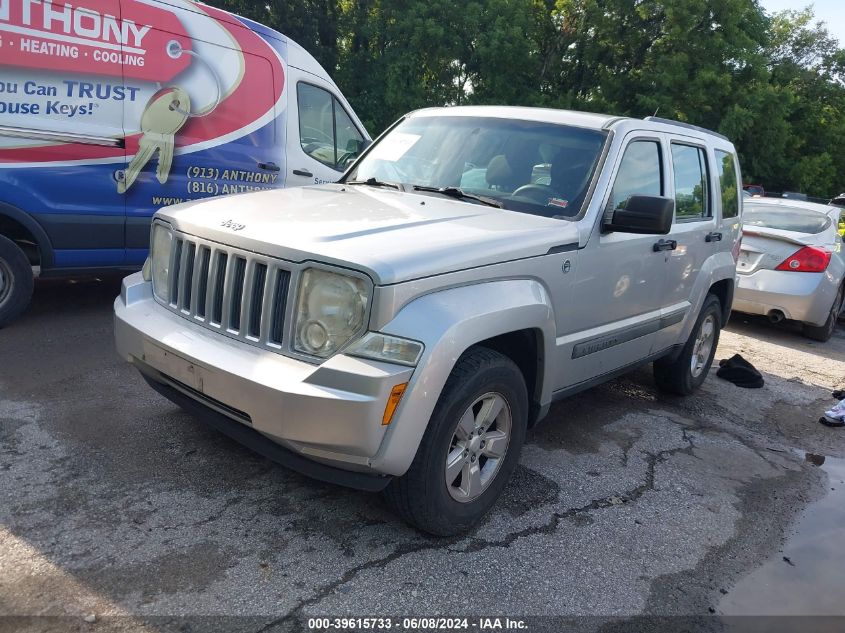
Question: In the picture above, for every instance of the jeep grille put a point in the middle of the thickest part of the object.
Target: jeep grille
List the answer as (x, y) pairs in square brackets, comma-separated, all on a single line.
[(235, 292)]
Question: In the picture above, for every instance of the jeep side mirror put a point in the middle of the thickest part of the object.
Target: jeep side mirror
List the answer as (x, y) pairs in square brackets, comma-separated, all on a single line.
[(643, 214)]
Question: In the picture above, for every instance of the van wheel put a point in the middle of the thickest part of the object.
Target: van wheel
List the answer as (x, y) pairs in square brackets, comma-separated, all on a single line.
[(824, 332), (15, 281), (684, 374), (470, 448)]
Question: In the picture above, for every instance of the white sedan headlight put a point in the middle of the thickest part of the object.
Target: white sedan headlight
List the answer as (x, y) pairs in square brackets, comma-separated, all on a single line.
[(330, 311), (160, 261)]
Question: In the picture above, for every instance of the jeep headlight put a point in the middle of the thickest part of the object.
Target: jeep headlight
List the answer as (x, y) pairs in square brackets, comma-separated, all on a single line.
[(330, 311), (160, 261)]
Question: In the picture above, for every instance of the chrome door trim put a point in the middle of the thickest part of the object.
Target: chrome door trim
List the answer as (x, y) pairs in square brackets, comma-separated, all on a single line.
[(60, 137)]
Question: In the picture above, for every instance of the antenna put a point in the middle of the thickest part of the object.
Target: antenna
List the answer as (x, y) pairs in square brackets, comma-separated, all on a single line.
[(656, 111)]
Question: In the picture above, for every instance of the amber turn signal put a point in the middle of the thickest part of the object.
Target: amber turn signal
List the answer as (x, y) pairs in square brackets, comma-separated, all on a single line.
[(393, 402)]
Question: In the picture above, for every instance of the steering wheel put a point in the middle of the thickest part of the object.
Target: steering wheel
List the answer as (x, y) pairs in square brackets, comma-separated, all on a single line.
[(318, 135), (537, 192)]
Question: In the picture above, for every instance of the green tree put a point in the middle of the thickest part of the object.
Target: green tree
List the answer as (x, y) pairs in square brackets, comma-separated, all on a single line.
[(774, 84), (311, 23)]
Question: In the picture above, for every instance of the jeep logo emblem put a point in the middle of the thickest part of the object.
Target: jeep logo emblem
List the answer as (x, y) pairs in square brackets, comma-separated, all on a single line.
[(229, 224)]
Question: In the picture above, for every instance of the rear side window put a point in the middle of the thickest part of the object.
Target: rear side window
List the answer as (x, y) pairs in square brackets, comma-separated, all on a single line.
[(726, 168), (785, 219), (326, 131), (639, 173), (692, 192)]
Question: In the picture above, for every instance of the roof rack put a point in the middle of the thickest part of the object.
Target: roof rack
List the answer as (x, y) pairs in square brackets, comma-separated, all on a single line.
[(690, 126)]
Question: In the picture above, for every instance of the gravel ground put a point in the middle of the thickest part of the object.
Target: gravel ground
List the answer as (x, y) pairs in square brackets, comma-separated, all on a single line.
[(116, 505)]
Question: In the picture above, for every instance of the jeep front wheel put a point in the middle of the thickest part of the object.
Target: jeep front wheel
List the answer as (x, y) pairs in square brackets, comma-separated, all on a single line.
[(15, 281), (470, 448), (684, 374)]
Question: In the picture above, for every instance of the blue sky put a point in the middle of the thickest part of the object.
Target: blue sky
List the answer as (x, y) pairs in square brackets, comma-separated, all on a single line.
[(830, 11)]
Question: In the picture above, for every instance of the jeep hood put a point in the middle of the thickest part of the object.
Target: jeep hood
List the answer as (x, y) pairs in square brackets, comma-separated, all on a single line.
[(393, 236)]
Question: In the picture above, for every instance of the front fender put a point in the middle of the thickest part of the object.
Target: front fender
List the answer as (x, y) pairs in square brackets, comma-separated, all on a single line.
[(448, 323)]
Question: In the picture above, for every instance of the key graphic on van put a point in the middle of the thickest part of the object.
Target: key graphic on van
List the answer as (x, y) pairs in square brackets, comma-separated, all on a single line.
[(163, 117)]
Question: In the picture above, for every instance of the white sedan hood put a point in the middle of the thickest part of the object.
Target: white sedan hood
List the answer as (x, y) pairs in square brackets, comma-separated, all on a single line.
[(390, 235)]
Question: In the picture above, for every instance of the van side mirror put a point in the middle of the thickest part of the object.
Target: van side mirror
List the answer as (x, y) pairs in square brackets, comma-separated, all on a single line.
[(644, 215), (354, 146)]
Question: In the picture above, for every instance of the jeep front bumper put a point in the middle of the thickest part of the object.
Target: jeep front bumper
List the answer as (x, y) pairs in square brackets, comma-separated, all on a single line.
[(327, 415)]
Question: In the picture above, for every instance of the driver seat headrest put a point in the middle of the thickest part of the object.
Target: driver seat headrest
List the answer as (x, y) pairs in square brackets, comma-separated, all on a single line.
[(499, 172)]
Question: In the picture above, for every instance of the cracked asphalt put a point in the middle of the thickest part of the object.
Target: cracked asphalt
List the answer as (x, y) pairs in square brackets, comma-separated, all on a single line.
[(117, 506)]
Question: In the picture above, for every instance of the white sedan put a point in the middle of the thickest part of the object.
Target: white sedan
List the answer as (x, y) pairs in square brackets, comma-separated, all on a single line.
[(791, 264)]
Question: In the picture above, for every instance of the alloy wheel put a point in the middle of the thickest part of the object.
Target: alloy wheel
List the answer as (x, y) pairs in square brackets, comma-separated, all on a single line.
[(5, 282), (703, 346), (478, 446)]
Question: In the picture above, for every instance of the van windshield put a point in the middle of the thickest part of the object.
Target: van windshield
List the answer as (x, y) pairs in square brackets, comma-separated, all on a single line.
[(527, 166), (785, 218)]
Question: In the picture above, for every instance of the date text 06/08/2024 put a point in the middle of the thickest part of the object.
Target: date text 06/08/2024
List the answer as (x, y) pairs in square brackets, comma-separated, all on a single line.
[(482, 624)]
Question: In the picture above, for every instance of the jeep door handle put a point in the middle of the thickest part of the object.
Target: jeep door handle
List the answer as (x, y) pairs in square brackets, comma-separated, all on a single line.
[(713, 237), (268, 166), (665, 245), (302, 172)]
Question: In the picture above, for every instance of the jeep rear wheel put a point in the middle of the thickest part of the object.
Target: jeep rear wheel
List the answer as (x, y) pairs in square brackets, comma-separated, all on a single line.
[(470, 448), (16, 281), (685, 373)]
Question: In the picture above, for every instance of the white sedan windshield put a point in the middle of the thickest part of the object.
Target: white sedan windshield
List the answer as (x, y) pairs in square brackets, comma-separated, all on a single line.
[(527, 166)]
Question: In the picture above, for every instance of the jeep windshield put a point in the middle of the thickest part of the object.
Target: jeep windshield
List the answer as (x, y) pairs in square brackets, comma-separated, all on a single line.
[(526, 166)]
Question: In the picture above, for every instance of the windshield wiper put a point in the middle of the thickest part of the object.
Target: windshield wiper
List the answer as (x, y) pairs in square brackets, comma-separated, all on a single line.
[(372, 182), (460, 194)]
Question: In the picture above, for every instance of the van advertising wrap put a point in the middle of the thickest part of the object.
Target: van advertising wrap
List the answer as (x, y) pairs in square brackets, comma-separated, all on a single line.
[(147, 102), (85, 38)]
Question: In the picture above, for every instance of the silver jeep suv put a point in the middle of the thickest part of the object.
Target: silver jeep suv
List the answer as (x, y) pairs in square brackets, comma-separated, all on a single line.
[(401, 329)]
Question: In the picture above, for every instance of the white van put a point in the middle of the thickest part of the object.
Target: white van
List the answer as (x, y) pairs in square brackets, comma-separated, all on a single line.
[(112, 109)]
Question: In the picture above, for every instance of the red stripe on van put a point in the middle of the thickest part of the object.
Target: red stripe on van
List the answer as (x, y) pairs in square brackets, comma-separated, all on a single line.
[(92, 37)]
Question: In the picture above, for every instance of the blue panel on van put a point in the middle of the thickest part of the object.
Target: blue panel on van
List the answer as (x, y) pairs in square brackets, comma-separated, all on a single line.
[(136, 256), (89, 258)]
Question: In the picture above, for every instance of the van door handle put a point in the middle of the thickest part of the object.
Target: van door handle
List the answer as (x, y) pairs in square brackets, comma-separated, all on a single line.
[(713, 237), (302, 172), (269, 166), (665, 245)]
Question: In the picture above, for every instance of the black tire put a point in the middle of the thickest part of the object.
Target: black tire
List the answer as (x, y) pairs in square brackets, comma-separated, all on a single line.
[(823, 333), (676, 375), (16, 281), (422, 496)]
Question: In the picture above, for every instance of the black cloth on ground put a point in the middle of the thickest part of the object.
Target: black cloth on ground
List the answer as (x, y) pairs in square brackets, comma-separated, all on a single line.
[(740, 372)]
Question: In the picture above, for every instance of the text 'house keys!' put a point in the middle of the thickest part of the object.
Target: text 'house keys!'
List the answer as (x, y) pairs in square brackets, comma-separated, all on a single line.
[(165, 114)]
